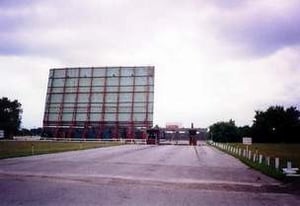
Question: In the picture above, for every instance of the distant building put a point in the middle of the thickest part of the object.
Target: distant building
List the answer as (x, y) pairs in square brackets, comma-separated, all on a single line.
[(99, 102)]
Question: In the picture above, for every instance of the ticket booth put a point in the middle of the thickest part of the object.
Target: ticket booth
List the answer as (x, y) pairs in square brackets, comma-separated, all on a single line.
[(153, 136), (192, 136)]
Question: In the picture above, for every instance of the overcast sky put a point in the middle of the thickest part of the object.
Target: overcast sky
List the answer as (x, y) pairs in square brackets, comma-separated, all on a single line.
[(214, 59)]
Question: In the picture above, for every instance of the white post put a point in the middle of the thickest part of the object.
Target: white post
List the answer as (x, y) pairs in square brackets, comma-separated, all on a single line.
[(268, 161), (277, 163), (289, 165), (260, 158), (249, 154), (254, 157)]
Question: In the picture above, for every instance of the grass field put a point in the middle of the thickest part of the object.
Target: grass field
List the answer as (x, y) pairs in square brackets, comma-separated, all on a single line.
[(285, 152), (25, 148)]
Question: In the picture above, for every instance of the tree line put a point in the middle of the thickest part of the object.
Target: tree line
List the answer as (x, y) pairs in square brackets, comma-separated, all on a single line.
[(10, 119), (275, 125), (10, 116)]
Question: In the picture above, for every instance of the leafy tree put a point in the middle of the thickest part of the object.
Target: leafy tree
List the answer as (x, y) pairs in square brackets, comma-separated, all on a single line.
[(277, 124), (36, 131), (224, 132), (10, 116), (24, 132), (245, 131)]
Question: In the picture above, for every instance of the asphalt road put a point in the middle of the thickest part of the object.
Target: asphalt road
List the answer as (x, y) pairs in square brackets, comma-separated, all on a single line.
[(138, 175)]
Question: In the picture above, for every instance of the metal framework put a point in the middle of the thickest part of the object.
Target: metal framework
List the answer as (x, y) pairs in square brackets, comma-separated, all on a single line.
[(99, 102)]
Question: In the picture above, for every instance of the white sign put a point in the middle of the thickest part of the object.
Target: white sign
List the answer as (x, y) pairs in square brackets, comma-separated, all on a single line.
[(1, 134), (247, 140), (173, 125)]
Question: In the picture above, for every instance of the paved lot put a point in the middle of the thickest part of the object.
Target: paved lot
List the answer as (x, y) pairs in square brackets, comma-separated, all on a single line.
[(137, 175)]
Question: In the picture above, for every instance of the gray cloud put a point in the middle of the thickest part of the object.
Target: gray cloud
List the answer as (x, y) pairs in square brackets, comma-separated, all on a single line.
[(55, 27), (191, 43), (254, 31), (15, 3), (228, 4), (260, 31)]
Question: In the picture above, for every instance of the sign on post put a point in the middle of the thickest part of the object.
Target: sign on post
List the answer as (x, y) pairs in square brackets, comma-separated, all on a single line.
[(247, 140)]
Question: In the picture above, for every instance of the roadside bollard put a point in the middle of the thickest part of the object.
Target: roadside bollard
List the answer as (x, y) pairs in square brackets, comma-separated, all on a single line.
[(289, 165), (32, 149), (254, 157), (260, 159), (277, 163), (268, 161)]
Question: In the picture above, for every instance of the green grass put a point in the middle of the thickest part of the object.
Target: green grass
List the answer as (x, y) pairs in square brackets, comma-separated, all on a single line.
[(285, 152), (25, 148)]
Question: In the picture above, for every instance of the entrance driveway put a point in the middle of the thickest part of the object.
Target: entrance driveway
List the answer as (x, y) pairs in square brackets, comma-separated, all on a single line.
[(138, 175)]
